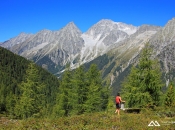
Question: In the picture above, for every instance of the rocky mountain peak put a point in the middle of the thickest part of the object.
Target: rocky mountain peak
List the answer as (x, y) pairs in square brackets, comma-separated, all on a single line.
[(169, 28), (71, 24), (171, 21), (127, 28), (145, 28), (105, 22), (72, 28), (45, 31), (16, 40), (23, 34), (105, 26), (164, 37)]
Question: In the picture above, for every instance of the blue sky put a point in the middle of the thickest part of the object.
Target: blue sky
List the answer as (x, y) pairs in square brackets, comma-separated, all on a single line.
[(31, 16)]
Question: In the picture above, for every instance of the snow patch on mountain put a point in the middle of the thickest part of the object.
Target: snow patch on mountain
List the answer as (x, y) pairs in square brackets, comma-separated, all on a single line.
[(92, 48), (129, 29)]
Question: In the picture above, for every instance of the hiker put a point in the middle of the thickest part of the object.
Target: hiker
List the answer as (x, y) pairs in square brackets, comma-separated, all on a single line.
[(118, 103)]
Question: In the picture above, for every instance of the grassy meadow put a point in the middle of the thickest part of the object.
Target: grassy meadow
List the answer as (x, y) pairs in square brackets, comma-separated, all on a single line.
[(96, 121)]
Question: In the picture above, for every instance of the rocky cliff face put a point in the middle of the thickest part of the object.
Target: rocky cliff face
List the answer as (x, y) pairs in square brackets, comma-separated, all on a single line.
[(64, 46), (110, 32), (50, 48), (164, 36), (17, 40), (40, 39), (125, 53), (102, 37), (163, 44)]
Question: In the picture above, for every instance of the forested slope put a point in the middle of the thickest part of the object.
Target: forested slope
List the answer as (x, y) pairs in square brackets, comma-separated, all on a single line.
[(28, 90), (14, 72)]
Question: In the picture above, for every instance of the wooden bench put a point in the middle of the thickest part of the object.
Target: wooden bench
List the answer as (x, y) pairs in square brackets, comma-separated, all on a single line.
[(132, 110)]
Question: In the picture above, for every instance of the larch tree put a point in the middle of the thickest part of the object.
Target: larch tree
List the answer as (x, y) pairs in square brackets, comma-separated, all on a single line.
[(95, 95), (170, 96), (31, 101), (143, 85), (63, 106), (80, 90)]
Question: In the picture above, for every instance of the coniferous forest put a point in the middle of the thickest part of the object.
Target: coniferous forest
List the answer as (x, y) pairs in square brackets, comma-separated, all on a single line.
[(27, 90), (30, 95)]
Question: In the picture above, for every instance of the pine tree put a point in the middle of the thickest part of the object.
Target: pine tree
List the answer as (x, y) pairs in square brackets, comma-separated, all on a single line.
[(143, 85), (170, 96), (95, 95), (31, 100), (150, 75), (132, 92), (63, 106), (79, 83), (10, 104)]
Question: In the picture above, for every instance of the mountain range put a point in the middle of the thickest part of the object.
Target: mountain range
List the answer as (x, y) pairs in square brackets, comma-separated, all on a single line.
[(113, 46)]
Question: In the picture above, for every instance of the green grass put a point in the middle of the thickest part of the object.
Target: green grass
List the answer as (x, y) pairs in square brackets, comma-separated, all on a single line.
[(93, 121)]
